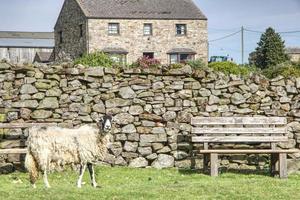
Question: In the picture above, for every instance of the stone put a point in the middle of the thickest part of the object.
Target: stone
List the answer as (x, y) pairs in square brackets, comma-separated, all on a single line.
[(85, 118), (28, 89), (99, 107), (164, 150), (25, 113), (6, 168), (158, 130), (291, 89), (169, 115), (127, 93), (138, 163), (116, 148), (124, 119), (42, 86), (237, 99), (145, 151), (4, 65), (158, 85), (120, 161), (49, 103), (298, 83), (130, 146), (185, 94), (41, 114), (243, 111), (184, 117), (38, 96), (136, 110), (130, 128), (54, 92), (95, 72), (147, 138), (150, 117), (204, 92), (25, 104), (152, 156), (117, 102), (213, 100), (163, 161), (285, 100), (212, 108)]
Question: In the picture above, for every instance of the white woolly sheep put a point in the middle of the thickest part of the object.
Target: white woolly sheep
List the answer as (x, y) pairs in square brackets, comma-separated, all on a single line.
[(53, 146)]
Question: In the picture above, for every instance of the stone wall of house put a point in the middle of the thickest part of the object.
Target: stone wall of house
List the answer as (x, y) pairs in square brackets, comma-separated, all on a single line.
[(164, 37), (69, 20), (295, 57), (152, 109)]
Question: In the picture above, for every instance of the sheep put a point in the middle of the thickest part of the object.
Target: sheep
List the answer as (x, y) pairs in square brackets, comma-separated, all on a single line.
[(53, 146)]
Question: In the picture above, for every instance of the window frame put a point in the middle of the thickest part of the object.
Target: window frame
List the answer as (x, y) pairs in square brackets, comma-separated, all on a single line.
[(60, 35), (190, 56), (110, 29), (151, 29), (81, 30), (151, 57), (121, 56), (177, 29)]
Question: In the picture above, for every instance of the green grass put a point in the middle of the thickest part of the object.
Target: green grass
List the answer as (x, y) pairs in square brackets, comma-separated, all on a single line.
[(125, 183)]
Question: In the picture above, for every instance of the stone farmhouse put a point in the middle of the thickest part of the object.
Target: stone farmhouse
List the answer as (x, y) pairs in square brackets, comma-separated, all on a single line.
[(172, 31), (294, 53)]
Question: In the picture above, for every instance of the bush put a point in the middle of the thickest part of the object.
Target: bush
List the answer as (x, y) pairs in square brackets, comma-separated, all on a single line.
[(230, 68), (286, 69), (95, 60), (196, 63), (176, 66), (146, 62)]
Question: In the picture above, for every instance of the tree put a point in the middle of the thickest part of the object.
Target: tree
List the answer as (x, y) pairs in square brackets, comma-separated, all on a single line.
[(270, 50)]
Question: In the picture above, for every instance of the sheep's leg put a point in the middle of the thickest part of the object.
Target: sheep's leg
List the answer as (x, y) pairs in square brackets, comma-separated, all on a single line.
[(92, 174), (46, 179), (82, 169)]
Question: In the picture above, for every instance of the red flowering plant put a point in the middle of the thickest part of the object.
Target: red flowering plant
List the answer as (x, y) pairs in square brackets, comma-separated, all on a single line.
[(146, 62)]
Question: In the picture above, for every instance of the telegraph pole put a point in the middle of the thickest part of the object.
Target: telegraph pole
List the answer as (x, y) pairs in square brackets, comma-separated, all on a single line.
[(243, 44)]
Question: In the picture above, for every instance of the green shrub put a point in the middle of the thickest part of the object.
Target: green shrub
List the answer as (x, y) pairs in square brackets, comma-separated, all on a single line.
[(176, 66), (95, 60), (286, 69), (195, 64), (229, 68)]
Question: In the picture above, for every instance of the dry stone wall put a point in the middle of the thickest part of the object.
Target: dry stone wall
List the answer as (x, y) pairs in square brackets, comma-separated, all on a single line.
[(152, 108)]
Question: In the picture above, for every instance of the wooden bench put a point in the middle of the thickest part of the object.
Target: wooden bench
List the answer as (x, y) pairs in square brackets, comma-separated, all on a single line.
[(239, 130), (17, 126)]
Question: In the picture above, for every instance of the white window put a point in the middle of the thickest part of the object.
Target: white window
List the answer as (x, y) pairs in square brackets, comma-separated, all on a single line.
[(181, 29), (113, 28), (147, 29), (118, 58)]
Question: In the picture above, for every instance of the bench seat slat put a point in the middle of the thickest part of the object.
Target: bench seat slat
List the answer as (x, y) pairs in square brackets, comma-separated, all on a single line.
[(239, 130), (13, 151), (249, 151), (23, 125), (236, 139), (238, 121)]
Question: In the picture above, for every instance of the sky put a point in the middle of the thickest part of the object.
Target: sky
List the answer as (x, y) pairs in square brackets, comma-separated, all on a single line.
[(224, 17)]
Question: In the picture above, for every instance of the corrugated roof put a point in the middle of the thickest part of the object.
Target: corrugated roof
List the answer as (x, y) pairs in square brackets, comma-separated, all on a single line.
[(26, 35), (141, 9)]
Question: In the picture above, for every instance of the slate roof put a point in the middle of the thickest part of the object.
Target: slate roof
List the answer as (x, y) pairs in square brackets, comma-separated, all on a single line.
[(182, 50), (141, 9), (293, 50)]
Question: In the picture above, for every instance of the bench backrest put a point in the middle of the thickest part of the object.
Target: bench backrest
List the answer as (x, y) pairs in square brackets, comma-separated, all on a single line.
[(239, 129)]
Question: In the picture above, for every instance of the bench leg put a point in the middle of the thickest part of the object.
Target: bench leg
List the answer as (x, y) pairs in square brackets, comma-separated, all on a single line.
[(214, 169), (283, 165), (205, 162), (274, 164)]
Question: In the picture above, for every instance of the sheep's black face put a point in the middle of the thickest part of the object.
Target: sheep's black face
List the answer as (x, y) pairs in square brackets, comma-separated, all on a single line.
[(106, 123)]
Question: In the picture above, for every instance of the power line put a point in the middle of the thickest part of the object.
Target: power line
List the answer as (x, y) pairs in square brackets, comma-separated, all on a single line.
[(224, 37)]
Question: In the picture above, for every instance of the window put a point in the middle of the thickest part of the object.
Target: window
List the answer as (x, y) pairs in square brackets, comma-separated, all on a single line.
[(113, 28), (148, 55), (181, 57), (181, 29), (147, 29), (60, 33), (81, 30), (118, 58)]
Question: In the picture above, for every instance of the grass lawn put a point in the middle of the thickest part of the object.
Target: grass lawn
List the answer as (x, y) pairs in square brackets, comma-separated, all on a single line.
[(125, 183)]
